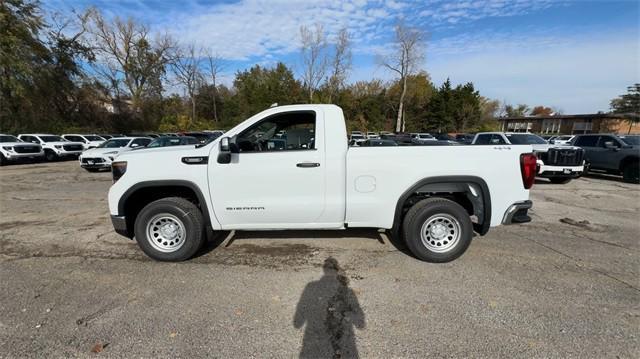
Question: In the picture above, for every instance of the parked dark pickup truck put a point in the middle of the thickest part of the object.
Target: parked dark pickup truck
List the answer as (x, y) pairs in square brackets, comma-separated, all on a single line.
[(612, 153)]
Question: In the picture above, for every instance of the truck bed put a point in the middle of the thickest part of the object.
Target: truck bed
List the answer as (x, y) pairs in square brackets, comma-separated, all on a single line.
[(378, 176)]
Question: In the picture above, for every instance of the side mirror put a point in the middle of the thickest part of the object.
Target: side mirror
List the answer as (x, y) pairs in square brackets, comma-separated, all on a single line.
[(609, 145), (224, 156), (134, 145)]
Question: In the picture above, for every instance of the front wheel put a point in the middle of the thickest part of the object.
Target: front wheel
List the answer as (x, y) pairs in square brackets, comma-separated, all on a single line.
[(50, 156), (170, 229), (559, 180), (437, 230), (631, 173)]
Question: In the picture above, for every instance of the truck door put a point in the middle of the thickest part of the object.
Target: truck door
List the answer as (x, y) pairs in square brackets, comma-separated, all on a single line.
[(277, 177)]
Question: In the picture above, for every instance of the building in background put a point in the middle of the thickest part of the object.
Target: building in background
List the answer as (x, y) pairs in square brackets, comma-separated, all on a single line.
[(569, 124)]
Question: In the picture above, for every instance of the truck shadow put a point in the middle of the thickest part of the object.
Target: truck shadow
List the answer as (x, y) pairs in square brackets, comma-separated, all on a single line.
[(228, 238)]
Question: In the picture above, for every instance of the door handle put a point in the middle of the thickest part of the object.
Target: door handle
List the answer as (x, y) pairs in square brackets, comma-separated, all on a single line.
[(308, 164)]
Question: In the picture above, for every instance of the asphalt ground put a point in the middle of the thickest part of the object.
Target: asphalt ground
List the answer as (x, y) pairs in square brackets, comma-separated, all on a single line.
[(565, 285)]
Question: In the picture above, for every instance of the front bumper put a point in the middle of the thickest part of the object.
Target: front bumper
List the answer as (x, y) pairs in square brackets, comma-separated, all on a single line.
[(13, 156), (63, 153), (120, 225), (94, 162), (547, 171), (517, 213)]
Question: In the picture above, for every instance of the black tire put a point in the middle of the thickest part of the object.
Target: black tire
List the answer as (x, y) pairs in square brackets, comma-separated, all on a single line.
[(174, 208), (92, 169), (631, 173), (586, 168), (559, 180), (426, 213), (50, 156), (3, 161)]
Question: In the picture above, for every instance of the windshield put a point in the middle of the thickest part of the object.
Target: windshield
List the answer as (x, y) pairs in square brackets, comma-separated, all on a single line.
[(425, 136), (526, 140), (357, 137), (52, 139), (631, 140), (93, 138), (114, 143), (7, 138)]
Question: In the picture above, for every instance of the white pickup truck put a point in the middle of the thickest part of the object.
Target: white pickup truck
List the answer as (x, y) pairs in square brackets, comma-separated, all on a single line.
[(290, 167), (557, 163)]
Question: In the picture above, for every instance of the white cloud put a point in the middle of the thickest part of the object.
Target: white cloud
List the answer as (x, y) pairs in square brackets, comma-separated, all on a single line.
[(579, 74)]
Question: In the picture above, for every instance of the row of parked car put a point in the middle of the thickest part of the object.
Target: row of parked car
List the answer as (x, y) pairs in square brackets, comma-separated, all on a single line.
[(95, 151), (560, 158), (358, 138)]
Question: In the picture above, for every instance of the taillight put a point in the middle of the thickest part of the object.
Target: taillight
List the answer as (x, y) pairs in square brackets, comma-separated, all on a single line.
[(528, 168), (118, 169)]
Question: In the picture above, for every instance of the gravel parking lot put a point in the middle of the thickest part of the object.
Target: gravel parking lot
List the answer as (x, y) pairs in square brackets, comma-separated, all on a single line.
[(565, 285)]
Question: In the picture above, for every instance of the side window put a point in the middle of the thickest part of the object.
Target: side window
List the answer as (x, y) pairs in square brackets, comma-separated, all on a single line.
[(587, 141), (141, 142), (282, 132), (74, 139), (497, 140), (605, 139), (30, 139), (483, 139)]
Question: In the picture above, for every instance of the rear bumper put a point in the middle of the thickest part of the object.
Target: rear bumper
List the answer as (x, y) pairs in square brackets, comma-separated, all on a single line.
[(546, 171), (517, 213), (120, 225)]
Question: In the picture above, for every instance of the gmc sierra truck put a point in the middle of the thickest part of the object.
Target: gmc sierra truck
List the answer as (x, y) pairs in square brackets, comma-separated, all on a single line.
[(558, 163), (290, 167)]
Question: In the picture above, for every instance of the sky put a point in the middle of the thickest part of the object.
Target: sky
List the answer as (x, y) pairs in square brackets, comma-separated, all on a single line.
[(572, 55)]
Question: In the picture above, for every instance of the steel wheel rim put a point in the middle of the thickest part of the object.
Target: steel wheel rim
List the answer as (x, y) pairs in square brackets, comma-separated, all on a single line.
[(166, 233), (440, 233)]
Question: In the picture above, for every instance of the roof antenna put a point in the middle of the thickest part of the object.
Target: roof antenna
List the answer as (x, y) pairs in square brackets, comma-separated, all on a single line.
[(275, 104)]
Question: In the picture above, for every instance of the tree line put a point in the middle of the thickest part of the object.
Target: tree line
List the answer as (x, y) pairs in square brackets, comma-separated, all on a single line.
[(88, 73)]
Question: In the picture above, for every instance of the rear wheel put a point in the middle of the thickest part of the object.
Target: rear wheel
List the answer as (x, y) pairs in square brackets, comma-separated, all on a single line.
[(559, 180), (170, 229), (631, 173), (437, 230)]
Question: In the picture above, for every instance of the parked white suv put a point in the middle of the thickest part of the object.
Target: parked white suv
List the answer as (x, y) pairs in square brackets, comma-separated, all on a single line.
[(12, 149), (562, 140), (558, 163), (100, 158), (88, 141), (55, 147), (432, 197)]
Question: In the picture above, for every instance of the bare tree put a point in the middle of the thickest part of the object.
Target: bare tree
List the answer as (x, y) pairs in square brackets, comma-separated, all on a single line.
[(185, 65), (340, 63), (406, 57), (215, 65), (127, 57), (314, 62)]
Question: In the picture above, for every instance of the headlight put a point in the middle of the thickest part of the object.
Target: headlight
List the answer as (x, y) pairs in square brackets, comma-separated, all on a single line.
[(58, 146), (7, 148), (118, 169)]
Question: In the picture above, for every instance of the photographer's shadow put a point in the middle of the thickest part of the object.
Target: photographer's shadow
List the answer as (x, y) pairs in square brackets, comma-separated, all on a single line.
[(329, 309)]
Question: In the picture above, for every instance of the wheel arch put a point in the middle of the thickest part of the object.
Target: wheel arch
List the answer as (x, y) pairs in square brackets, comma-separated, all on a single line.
[(470, 192), (143, 193), (627, 160)]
